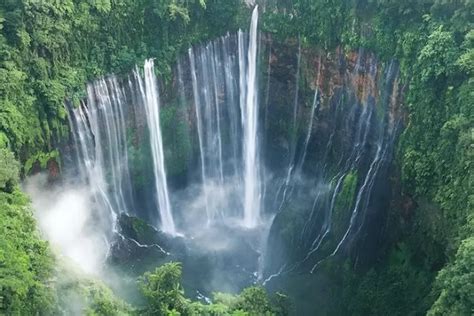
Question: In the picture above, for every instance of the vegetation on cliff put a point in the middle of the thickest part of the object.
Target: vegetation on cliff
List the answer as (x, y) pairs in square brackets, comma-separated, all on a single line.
[(34, 282), (26, 264), (165, 296), (434, 43), (49, 49)]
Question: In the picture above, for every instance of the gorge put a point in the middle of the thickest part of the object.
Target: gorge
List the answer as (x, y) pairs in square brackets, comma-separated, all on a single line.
[(295, 155), (243, 178)]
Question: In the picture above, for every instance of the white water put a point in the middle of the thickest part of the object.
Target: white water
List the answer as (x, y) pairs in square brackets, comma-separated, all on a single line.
[(66, 217), (368, 179), (152, 108), (242, 74), (99, 134), (223, 75), (197, 108), (232, 93), (217, 81), (311, 119), (93, 160), (251, 161)]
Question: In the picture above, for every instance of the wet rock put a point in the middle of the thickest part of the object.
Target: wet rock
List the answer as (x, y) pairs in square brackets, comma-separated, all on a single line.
[(220, 259), (138, 246)]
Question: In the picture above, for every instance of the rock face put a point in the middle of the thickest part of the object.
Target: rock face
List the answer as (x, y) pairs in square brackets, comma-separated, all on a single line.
[(138, 246), (54, 170), (51, 167), (331, 120)]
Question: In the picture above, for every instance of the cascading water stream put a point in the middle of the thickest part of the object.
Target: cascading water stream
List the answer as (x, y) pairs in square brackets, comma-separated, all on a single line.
[(314, 108), (231, 94), (152, 108), (242, 47), (250, 126), (197, 107), (99, 132), (223, 75), (360, 133)]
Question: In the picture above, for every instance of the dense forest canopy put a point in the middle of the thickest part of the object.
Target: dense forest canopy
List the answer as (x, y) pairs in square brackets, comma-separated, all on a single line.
[(49, 50)]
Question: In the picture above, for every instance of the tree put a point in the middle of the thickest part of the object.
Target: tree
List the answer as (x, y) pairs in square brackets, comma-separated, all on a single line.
[(163, 291), (165, 296), (9, 170), (26, 264), (455, 284)]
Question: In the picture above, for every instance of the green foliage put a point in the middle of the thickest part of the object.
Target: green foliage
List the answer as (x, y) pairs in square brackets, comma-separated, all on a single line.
[(253, 301), (435, 147), (79, 295), (456, 284), (396, 287), (40, 158), (343, 203), (434, 44), (437, 57), (29, 282), (163, 291), (9, 170), (50, 49), (165, 296), (26, 265)]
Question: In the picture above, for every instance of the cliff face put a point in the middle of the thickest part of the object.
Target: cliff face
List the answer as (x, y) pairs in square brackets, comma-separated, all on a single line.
[(331, 120)]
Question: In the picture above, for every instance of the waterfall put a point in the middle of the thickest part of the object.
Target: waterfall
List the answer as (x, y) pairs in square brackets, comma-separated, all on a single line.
[(250, 122), (242, 73), (356, 130), (223, 77), (213, 73), (231, 94), (314, 107), (151, 102), (197, 107), (90, 158), (99, 133), (341, 141)]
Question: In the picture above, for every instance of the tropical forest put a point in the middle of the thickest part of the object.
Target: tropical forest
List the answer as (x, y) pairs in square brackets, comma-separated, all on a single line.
[(236, 157)]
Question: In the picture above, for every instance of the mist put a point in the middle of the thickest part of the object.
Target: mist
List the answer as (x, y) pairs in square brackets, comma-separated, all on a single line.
[(66, 219)]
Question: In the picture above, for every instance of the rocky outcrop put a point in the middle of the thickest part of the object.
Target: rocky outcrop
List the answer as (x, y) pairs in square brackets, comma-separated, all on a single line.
[(223, 260)]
